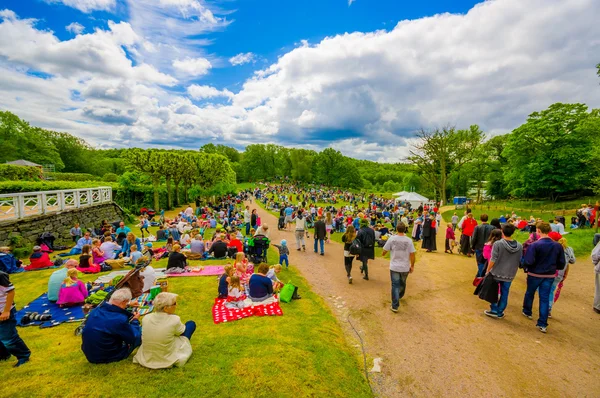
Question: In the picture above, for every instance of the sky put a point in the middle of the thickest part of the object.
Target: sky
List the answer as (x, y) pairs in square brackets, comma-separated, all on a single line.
[(360, 76)]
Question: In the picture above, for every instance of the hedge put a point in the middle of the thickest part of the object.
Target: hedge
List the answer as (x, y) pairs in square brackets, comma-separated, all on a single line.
[(10, 172), (35, 186), (70, 177)]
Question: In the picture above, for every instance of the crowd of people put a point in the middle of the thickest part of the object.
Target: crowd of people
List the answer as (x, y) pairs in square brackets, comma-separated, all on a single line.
[(113, 331)]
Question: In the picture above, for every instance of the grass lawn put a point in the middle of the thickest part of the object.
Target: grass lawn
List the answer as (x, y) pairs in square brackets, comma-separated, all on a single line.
[(581, 240), (303, 353)]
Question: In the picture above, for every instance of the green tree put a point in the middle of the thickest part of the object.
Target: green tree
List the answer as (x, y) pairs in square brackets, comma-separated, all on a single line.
[(553, 153), (438, 153)]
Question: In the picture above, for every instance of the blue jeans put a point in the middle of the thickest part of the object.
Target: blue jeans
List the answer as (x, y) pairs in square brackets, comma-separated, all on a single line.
[(247, 228), (190, 328), (10, 342), (499, 308), (284, 258), (544, 284), (73, 252), (398, 287), (557, 280), (322, 242), (481, 267)]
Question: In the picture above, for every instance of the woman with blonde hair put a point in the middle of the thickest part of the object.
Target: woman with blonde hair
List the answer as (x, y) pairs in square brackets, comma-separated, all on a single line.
[(347, 239), (128, 242), (165, 340), (72, 291)]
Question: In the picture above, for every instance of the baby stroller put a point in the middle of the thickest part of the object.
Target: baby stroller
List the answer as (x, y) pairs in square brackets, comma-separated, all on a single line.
[(281, 223), (132, 280), (257, 249), (148, 212), (47, 239)]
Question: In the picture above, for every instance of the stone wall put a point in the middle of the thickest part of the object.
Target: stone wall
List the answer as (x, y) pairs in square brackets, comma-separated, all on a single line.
[(59, 224)]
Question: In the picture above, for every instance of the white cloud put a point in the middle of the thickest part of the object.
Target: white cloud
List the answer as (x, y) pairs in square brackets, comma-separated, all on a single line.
[(75, 28), (88, 5), (362, 93), (241, 59), (350, 2), (201, 92), (193, 66)]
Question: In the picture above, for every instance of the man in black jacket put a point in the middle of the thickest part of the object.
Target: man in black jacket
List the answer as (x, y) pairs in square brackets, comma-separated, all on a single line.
[(366, 237), (218, 248), (320, 234), (481, 234)]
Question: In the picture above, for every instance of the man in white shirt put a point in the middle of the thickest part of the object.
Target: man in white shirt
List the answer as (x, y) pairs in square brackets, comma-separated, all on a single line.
[(402, 262), (247, 219)]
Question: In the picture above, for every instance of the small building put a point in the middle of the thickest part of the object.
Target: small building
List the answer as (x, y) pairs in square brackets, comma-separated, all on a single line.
[(22, 162)]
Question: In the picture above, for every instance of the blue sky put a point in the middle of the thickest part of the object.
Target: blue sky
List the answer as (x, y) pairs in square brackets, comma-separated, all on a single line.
[(314, 73)]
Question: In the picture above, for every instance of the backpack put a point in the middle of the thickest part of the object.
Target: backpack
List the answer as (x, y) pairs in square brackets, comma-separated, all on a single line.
[(355, 247)]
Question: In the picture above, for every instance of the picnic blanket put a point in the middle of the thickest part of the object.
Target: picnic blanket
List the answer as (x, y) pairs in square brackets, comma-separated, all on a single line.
[(223, 314), (41, 305), (208, 270), (159, 272), (146, 306)]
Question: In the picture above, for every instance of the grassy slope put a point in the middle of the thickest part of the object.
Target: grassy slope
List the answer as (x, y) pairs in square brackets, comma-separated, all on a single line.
[(303, 353)]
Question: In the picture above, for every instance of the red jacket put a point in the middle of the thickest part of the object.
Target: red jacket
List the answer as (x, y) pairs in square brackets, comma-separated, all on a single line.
[(39, 260), (469, 226), (237, 244)]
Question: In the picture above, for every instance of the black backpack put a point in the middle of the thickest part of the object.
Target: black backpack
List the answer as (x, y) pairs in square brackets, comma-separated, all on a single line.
[(355, 247)]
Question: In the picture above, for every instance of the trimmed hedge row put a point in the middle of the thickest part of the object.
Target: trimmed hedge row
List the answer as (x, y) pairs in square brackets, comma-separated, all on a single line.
[(10, 172), (71, 177)]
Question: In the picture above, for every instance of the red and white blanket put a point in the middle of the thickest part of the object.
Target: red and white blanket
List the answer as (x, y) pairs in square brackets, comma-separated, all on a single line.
[(223, 314)]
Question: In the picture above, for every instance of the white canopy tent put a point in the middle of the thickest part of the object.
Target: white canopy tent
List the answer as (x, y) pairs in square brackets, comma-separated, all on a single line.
[(400, 193), (413, 198)]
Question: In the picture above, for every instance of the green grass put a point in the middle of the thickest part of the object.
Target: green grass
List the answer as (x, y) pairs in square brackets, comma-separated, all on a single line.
[(302, 353)]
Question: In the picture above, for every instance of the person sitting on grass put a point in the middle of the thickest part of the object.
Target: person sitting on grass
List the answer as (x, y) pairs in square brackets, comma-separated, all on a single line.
[(111, 333), (86, 262), (38, 260), (165, 340), (260, 287), (177, 262), (218, 248), (9, 263), (236, 294), (85, 240), (272, 275), (225, 280), (128, 242), (57, 278), (72, 291)]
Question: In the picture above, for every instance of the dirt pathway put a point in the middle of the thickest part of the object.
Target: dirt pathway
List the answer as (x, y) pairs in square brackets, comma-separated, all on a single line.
[(441, 344)]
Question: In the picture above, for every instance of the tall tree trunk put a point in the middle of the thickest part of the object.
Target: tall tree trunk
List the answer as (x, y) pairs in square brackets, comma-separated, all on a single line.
[(169, 196), (177, 192), (155, 182), (185, 188)]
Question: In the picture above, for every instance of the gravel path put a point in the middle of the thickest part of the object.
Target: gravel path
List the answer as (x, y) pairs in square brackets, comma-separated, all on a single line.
[(440, 343)]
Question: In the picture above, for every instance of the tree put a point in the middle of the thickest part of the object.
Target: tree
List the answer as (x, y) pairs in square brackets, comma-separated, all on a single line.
[(149, 162), (553, 153), (301, 162), (438, 153)]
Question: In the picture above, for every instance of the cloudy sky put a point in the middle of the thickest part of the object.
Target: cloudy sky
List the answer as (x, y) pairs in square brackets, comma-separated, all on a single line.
[(357, 75)]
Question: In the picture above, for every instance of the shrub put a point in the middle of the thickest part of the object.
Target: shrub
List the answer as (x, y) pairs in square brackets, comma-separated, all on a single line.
[(10, 172), (70, 177), (20, 247), (110, 177)]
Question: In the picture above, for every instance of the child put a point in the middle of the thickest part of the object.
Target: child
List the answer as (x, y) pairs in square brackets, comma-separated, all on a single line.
[(449, 238), (72, 291), (283, 253), (561, 276), (240, 266), (148, 252), (272, 275), (495, 236), (8, 325), (38, 260), (224, 281), (235, 296), (144, 224), (86, 263), (134, 255), (9, 263), (75, 232)]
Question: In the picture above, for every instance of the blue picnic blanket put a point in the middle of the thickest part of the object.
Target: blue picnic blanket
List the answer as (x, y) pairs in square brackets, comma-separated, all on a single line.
[(41, 305)]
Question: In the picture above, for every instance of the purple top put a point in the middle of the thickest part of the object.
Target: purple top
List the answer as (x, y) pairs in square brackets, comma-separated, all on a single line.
[(74, 294)]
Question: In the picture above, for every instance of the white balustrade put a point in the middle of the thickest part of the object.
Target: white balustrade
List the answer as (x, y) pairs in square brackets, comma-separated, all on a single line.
[(15, 206)]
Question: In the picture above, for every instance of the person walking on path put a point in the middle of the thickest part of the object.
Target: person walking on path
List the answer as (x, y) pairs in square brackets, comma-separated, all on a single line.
[(503, 265), (300, 231), (320, 234), (467, 227), (543, 258), (481, 234), (366, 237), (429, 233), (402, 262), (596, 261), (348, 238)]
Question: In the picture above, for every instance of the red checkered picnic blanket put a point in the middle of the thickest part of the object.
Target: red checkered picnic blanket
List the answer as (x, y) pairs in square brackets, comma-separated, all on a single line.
[(224, 314)]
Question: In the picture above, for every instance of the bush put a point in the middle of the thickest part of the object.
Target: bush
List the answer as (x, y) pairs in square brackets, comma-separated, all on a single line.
[(35, 186), (70, 177), (10, 172), (110, 177), (20, 247)]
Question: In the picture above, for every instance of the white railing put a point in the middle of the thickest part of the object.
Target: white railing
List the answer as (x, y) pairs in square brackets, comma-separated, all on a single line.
[(14, 206)]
